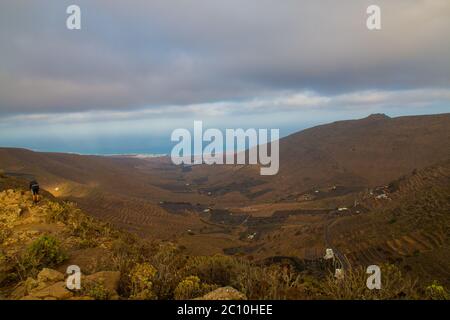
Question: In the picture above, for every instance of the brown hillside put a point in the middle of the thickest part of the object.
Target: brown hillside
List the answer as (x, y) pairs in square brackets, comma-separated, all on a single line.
[(411, 227), (366, 152), (154, 197)]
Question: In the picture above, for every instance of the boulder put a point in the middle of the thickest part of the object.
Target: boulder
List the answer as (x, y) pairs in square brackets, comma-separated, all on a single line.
[(24, 288), (49, 276), (224, 293), (19, 292), (81, 298), (29, 298), (57, 290), (48, 285)]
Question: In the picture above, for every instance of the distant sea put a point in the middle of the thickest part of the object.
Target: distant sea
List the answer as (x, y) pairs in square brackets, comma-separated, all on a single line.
[(139, 156)]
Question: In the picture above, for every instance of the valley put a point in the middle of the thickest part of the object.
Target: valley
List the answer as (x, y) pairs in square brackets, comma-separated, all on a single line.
[(375, 190)]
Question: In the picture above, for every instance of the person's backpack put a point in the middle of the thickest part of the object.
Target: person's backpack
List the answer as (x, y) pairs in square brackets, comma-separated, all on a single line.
[(34, 185)]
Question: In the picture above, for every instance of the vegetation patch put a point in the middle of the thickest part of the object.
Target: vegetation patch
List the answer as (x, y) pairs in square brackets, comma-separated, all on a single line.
[(44, 252)]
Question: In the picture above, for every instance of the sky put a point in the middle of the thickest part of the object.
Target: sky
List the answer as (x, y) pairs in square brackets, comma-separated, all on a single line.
[(139, 69)]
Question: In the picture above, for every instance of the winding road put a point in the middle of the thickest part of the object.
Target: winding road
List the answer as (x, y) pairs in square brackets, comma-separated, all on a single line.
[(343, 261)]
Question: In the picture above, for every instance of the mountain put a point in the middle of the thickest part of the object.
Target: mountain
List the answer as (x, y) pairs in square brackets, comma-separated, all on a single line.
[(375, 190), (322, 168), (371, 151), (356, 153)]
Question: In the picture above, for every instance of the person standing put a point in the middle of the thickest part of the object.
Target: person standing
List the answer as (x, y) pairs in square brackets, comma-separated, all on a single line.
[(34, 188)]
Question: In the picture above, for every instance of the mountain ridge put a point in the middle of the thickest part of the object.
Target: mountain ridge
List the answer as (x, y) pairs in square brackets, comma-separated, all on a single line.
[(155, 197)]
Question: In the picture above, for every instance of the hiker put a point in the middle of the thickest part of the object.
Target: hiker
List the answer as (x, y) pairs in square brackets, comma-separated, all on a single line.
[(34, 188)]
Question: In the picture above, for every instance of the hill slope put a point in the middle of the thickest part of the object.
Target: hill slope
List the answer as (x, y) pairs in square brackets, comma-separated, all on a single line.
[(410, 227), (367, 152), (154, 197), (116, 265)]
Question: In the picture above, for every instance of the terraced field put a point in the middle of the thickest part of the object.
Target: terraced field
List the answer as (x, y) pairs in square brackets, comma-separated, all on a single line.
[(412, 227)]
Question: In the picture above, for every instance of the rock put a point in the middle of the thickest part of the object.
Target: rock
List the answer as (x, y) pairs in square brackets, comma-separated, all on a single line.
[(57, 291), (109, 280), (30, 284), (24, 288), (49, 276), (30, 298), (224, 293), (81, 298), (19, 292)]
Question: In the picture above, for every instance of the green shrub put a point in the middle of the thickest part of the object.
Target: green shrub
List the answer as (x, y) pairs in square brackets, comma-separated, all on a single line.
[(435, 291), (96, 291), (43, 252), (191, 287), (169, 262), (141, 279)]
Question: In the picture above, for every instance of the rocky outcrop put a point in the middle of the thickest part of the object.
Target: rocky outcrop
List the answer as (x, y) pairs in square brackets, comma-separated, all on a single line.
[(56, 291), (23, 224), (49, 275), (50, 285)]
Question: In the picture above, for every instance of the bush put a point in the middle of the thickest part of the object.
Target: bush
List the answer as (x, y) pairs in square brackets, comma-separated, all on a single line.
[(435, 291), (271, 283), (56, 212), (141, 278), (394, 285), (256, 282), (43, 252), (191, 287), (169, 263), (79, 225), (96, 291), (218, 269), (5, 233)]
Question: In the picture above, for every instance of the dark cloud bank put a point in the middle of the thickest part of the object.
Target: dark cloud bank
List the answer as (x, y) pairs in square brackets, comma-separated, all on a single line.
[(166, 58)]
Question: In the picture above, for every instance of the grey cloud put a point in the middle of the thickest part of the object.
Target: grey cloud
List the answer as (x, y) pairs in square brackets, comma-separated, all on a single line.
[(148, 54), (304, 102)]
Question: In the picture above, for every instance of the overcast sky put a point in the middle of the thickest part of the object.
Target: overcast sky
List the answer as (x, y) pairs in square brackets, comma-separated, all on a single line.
[(139, 69)]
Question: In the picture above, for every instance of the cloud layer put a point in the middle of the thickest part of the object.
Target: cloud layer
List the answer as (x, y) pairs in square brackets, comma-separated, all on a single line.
[(156, 64), (146, 54)]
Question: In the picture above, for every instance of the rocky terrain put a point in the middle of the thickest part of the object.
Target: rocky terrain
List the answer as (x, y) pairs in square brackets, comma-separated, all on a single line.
[(35, 237)]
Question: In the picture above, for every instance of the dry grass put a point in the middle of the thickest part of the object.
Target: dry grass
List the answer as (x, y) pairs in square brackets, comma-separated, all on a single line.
[(353, 287)]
